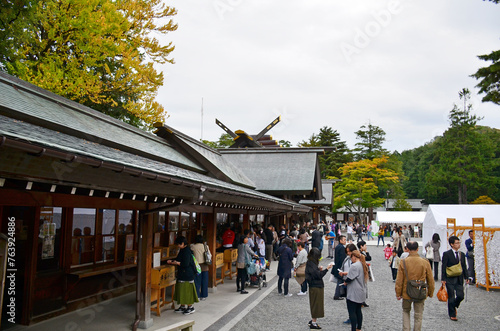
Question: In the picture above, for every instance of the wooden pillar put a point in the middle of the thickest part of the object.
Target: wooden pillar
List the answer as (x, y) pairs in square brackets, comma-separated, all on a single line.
[(211, 220), (144, 261), (246, 221)]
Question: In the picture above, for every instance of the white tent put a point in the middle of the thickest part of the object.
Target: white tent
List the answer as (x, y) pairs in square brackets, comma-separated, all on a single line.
[(399, 218), (435, 220)]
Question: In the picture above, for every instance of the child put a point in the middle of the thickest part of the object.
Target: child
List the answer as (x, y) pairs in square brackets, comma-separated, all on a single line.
[(394, 264), (388, 251)]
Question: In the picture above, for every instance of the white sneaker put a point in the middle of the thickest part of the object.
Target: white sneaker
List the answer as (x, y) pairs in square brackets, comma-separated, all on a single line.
[(302, 293), (289, 295)]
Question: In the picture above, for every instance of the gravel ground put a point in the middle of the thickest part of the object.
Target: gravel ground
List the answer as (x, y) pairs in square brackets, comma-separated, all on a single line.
[(276, 312)]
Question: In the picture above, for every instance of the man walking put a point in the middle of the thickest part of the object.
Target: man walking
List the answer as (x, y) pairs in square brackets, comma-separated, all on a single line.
[(453, 274), (417, 268), (316, 238), (340, 256)]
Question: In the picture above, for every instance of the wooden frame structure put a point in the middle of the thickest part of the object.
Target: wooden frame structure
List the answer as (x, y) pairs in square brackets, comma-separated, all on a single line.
[(486, 233)]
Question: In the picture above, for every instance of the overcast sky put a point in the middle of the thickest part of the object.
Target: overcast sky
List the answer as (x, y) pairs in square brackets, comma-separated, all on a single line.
[(396, 64)]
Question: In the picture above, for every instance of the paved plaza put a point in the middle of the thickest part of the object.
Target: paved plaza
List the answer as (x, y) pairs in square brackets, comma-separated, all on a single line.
[(275, 312)]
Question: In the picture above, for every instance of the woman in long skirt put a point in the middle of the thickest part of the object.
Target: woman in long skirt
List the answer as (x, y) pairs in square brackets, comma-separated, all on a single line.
[(314, 277)]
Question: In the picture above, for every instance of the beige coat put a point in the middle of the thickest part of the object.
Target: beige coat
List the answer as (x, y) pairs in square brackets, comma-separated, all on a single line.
[(418, 268), (199, 254)]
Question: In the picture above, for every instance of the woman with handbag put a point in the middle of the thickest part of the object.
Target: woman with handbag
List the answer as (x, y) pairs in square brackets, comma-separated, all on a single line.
[(314, 277), (432, 253), (356, 280), (399, 241), (245, 254), (300, 268), (201, 281)]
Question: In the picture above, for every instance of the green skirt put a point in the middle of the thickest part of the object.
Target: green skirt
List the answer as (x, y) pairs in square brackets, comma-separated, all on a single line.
[(185, 293), (317, 302)]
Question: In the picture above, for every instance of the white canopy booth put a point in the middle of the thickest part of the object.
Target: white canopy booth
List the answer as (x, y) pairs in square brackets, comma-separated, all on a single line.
[(436, 222), (399, 218)]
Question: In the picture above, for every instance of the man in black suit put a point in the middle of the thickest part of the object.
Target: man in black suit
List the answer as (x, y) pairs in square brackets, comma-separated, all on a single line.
[(454, 284), (340, 256)]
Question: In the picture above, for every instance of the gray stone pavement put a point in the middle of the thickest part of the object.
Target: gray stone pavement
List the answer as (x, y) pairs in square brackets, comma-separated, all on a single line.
[(276, 312)]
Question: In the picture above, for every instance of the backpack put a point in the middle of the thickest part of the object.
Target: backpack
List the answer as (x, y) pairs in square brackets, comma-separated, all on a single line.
[(416, 289)]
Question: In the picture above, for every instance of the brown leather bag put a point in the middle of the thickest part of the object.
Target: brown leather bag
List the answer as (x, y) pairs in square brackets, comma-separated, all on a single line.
[(442, 295)]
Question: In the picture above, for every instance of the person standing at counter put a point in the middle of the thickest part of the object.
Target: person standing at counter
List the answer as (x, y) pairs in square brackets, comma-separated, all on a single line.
[(201, 280), (185, 290)]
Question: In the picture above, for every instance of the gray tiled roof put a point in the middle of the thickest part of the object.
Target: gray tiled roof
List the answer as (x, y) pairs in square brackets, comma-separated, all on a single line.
[(280, 170), (30, 114), (327, 195), (19, 98), (214, 157)]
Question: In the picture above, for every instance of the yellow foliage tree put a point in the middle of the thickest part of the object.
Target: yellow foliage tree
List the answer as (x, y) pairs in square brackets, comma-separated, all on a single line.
[(484, 200), (97, 52)]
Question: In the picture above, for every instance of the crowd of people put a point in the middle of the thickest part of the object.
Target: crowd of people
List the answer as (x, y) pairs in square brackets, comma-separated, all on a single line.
[(350, 267)]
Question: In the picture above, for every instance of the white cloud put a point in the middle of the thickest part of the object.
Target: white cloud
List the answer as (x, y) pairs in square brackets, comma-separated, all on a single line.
[(254, 60)]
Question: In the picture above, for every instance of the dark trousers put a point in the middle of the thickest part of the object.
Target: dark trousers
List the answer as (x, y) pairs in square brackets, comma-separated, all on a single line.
[(436, 269), (455, 296), (303, 287), (470, 270), (355, 314), (378, 242), (201, 284), (269, 252), (241, 278), (282, 280), (394, 273)]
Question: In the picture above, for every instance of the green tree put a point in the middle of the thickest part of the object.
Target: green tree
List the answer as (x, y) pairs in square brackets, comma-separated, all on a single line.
[(402, 205), (370, 145), (334, 157), (99, 53), (225, 140), (462, 156), (285, 143), (489, 78), (359, 189)]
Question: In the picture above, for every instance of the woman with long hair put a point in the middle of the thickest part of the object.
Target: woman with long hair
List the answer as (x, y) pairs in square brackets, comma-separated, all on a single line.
[(314, 277), (399, 241), (356, 280), (435, 244)]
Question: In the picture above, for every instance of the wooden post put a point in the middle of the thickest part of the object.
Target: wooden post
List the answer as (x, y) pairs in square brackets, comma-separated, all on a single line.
[(246, 221), (211, 220), (144, 261)]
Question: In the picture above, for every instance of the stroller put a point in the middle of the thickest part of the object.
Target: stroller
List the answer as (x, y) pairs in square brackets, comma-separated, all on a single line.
[(257, 273)]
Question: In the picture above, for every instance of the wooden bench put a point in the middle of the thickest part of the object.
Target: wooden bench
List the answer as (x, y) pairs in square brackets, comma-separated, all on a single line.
[(89, 272), (101, 270), (181, 326)]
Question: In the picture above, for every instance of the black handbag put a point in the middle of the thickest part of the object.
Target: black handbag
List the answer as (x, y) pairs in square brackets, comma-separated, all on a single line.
[(343, 291)]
